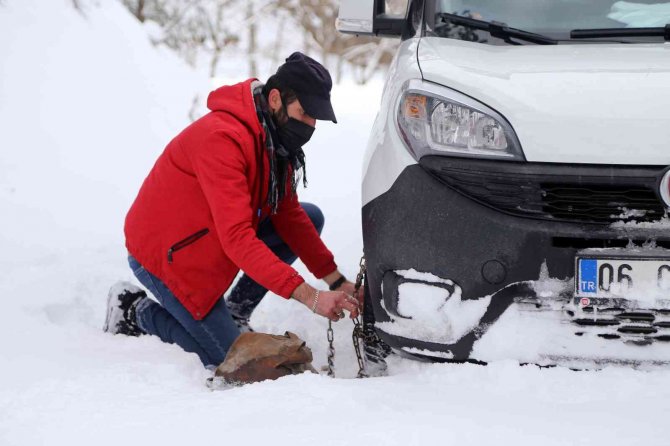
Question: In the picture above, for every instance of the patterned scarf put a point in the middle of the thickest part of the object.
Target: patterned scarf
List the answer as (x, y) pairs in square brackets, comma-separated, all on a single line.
[(284, 161)]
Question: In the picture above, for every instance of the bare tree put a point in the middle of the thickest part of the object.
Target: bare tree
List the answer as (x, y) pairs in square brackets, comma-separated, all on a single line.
[(218, 36), (197, 28), (190, 27), (78, 5), (137, 8), (317, 19), (252, 46)]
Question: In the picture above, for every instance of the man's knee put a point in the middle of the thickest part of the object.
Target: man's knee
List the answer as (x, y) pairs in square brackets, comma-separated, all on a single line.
[(314, 214)]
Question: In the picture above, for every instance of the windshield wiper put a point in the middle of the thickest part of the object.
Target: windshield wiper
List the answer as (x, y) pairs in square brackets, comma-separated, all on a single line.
[(621, 32), (499, 30)]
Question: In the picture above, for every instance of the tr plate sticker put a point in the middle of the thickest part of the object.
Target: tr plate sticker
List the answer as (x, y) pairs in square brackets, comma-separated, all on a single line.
[(588, 275)]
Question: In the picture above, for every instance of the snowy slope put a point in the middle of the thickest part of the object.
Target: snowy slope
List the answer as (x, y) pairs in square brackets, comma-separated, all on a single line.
[(86, 105)]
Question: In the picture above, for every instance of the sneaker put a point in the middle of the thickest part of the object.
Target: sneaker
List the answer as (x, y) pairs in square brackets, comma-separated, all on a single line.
[(121, 302), (243, 299)]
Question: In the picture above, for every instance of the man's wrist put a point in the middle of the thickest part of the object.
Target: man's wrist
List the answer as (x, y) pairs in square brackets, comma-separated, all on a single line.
[(337, 283), (304, 294), (332, 277)]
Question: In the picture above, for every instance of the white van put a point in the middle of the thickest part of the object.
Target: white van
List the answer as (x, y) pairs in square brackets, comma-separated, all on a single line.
[(516, 181)]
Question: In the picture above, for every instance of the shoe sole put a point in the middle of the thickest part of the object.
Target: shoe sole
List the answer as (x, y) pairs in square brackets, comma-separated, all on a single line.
[(118, 289), (105, 328)]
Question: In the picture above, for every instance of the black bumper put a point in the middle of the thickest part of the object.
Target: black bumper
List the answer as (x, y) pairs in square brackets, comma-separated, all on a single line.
[(490, 226)]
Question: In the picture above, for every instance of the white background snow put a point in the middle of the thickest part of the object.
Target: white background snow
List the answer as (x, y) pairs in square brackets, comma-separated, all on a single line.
[(86, 105)]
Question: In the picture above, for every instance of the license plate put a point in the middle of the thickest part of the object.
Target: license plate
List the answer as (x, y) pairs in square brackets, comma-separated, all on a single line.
[(621, 274)]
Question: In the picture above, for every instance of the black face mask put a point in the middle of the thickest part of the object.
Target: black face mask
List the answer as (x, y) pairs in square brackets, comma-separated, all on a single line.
[(294, 134)]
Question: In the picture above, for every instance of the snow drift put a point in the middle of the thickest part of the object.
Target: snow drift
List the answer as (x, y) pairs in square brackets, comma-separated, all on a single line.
[(86, 105)]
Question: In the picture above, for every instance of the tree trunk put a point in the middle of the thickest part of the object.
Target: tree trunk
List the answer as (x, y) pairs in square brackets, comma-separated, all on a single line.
[(139, 13), (253, 68), (276, 57), (338, 69), (214, 64)]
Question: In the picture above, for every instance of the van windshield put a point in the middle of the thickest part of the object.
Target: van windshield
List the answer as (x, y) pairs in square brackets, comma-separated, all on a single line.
[(554, 18)]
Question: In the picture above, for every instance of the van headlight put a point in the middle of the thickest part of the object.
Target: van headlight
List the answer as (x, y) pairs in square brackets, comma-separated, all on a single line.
[(435, 120)]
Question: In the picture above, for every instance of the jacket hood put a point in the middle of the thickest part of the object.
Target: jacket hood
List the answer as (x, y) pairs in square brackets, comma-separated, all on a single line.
[(238, 101)]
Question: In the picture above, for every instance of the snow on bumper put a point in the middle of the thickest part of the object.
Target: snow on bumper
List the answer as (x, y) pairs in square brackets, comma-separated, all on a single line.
[(431, 309), (539, 325)]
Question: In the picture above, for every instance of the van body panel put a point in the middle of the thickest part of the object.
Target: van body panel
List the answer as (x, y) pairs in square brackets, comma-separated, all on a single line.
[(585, 103)]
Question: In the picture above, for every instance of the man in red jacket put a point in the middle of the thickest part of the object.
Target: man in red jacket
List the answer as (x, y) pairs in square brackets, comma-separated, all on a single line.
[(222, 197)]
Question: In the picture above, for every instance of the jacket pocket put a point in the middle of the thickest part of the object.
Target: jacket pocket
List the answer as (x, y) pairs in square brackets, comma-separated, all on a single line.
[(185, 242)]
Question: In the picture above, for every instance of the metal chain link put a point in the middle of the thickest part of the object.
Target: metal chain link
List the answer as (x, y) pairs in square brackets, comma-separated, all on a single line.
[(331, 350), (356, 336)]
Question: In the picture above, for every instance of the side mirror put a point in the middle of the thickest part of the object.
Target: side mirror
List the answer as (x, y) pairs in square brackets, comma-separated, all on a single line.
[(369, 18)]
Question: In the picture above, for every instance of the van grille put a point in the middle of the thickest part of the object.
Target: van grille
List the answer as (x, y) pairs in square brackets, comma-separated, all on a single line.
[(600, 194), (641, 327), (618, 320)]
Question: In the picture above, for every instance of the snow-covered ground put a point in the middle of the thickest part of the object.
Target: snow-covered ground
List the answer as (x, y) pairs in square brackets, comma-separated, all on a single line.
[(86, 105)]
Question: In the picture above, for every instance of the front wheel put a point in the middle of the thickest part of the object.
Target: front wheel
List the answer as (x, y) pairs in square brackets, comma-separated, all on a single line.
[(375, 350)]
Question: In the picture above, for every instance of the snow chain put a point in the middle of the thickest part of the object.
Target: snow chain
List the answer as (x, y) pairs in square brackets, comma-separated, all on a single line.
[(331, 350), (357, 335)]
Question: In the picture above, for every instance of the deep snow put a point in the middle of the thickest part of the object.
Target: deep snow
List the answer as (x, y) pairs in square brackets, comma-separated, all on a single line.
[(86, 105)]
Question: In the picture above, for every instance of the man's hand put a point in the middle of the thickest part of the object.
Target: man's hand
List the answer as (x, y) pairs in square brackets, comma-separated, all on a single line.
[(350, 289), (346, 287), (330, 304)]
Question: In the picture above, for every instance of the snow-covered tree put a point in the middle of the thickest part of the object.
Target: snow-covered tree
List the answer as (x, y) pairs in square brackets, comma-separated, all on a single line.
[(317, 18), (267, 30), (193, 28)]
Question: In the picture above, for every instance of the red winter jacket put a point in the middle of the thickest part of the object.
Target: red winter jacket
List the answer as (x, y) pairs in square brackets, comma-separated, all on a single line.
[(193, 224)]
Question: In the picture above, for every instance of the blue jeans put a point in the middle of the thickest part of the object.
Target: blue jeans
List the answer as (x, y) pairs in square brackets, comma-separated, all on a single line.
[(211, 337)]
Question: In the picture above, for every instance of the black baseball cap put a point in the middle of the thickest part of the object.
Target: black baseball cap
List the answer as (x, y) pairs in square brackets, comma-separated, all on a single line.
[(312, 84)]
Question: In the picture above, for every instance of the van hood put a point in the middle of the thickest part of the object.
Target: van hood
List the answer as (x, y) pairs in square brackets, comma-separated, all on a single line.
[(581, 103)]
